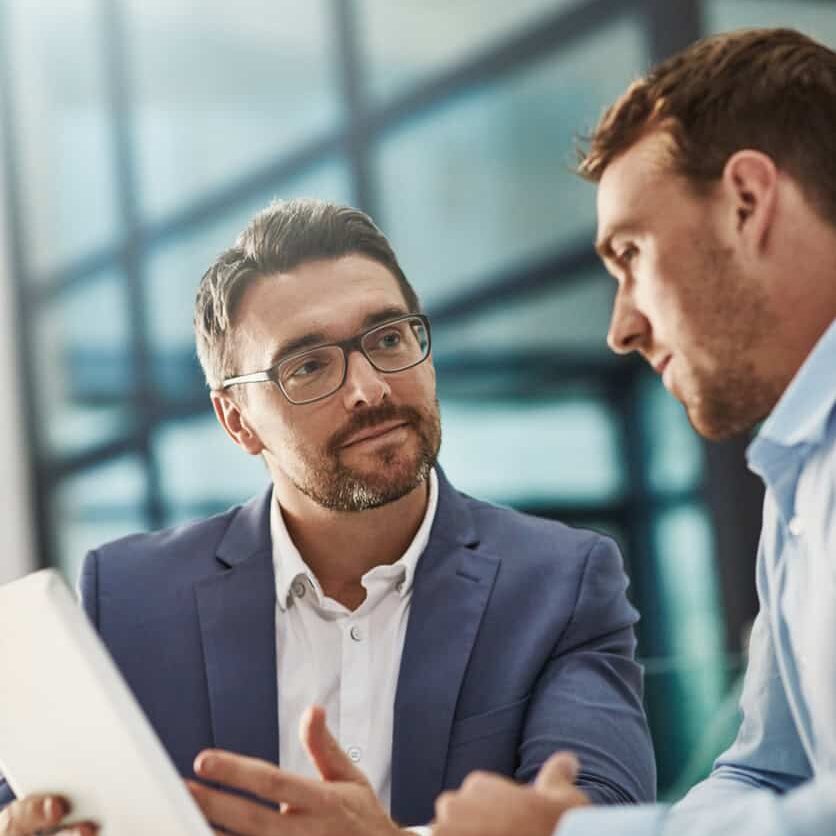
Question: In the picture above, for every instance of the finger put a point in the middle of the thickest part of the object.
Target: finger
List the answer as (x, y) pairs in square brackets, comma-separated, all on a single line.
[(35, 812), (259, 778), (560, 769), (325, 753), (232, 812)]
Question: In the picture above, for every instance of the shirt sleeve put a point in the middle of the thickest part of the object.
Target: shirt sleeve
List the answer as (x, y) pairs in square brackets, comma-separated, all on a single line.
[(809, 809)]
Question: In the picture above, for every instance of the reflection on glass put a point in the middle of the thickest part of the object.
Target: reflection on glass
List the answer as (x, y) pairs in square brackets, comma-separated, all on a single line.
[(222, 88), (569, 319), (61, 128), (532, 454), (175, 271), (83, 377), (96, 506), (674, 449), (203, 470), (483, 183), (694, 620), (441, 34)]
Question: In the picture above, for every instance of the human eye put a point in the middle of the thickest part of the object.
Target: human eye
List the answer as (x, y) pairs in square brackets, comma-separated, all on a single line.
[(389, 339), (626, 254), (306, 367)]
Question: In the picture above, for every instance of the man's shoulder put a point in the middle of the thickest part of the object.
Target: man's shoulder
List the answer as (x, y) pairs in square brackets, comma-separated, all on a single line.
[(187, 543), (528, 536)]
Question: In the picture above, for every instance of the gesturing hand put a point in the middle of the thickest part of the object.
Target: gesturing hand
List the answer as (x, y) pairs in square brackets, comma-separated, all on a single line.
[(490, 805), (341, 804)]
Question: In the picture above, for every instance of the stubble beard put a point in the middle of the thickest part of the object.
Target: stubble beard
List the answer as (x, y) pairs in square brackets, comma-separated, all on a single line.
[(339, 487), (736, 318)]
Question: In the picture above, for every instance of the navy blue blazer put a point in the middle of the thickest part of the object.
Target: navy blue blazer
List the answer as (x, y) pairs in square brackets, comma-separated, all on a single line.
[(519, 643)]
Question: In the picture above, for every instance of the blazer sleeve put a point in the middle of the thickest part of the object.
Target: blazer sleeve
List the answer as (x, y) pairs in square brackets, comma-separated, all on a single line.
[(589, 695)]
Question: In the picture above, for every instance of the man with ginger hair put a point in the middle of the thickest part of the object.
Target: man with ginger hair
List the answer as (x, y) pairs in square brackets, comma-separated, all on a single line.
[(717, 218)]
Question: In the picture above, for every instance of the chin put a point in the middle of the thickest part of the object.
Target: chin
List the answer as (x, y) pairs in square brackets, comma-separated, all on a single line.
[(719, 421)]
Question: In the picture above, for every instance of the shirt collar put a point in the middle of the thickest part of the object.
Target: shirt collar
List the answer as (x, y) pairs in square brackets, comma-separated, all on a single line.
[(290, 567), (801, 414)]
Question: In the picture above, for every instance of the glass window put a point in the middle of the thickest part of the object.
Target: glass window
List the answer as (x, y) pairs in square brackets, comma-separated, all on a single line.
[(222, 88), (813, 17), (83, 367), (440, 34), (531, 454), (96, 506), (176, 269), (202, 469), (61, 128), (568, 318), (690, 596), (674, 450), (482, 184)]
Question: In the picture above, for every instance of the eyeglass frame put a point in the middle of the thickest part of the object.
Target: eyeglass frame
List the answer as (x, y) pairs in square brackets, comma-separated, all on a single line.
[(347, 346)]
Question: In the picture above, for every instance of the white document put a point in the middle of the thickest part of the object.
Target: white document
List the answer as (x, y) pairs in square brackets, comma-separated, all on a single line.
[(69, 724)]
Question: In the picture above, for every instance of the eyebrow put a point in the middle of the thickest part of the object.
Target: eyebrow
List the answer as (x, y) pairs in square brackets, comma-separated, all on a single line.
[(317, 338)]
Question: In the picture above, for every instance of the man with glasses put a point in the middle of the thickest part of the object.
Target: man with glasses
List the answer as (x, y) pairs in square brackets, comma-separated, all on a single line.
[(437, 633)]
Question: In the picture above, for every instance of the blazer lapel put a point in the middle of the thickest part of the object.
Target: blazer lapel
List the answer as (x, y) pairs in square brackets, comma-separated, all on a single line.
[(452, 585), (236, 609)]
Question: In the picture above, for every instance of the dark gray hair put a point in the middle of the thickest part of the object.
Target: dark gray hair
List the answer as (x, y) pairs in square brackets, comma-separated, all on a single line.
[(284, 235)]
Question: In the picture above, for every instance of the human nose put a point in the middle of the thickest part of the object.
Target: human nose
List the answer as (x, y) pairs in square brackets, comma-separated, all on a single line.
[(364, 384), (629, 327)]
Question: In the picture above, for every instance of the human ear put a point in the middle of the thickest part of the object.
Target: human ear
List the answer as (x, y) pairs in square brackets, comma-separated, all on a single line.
[(234, 422), (750, 183)]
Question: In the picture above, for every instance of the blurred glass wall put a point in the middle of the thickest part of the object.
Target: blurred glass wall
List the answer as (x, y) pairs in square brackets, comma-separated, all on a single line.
[(142, 134)]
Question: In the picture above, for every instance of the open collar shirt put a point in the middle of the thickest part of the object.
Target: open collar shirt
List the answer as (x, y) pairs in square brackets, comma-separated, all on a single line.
[(779, 776), (346, 661)]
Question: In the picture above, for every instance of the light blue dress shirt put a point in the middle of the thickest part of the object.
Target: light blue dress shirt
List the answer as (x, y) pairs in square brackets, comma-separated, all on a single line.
[(779, 776)]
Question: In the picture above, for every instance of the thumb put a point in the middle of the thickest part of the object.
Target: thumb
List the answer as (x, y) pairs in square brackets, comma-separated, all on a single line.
[(558, 771), (325, 753)]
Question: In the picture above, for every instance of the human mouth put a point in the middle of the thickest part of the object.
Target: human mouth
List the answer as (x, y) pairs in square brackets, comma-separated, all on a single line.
[(660, 367), (379, 432)]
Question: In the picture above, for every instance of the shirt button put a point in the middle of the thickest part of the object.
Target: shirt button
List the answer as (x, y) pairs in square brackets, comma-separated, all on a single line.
[(354, 753), (795, 526), (299, 589), (356, 633)]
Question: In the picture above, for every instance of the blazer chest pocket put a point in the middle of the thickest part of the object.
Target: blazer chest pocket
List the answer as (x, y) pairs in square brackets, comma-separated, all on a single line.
[(506, 718)]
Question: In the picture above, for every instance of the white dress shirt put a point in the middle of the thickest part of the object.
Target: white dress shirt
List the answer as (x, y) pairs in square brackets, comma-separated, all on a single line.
[(346, 661)]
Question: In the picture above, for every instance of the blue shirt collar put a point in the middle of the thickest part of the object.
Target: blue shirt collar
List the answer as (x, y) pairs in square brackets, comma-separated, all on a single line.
[(801, 415)]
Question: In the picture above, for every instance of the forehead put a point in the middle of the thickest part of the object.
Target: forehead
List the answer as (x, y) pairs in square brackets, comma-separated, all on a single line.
[(327, 296), (638, 179)]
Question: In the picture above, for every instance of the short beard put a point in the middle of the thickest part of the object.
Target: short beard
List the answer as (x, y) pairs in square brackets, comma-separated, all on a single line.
[(732, 406), (336, 487)]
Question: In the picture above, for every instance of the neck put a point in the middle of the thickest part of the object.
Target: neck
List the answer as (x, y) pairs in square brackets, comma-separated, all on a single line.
[(340, 547), (811, 297)]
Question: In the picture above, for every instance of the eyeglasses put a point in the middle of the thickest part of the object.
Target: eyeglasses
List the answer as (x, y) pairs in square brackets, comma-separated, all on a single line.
[(316, 373)]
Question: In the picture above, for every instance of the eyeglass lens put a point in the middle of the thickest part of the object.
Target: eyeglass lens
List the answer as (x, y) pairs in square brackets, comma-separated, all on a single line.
[(391, 347)]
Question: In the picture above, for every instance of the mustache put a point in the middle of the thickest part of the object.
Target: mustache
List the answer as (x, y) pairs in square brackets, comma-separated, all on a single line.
[(372, 417)]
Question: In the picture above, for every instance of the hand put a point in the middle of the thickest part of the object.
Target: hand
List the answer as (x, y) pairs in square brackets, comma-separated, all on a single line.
[(36, 813), (490, 805), (341, 804)]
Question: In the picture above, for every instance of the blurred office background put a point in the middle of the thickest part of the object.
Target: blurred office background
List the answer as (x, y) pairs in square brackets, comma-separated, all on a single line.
[(138, 136)]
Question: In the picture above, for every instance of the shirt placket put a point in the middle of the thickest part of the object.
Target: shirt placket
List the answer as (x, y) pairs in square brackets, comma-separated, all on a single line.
[(355, 709)]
